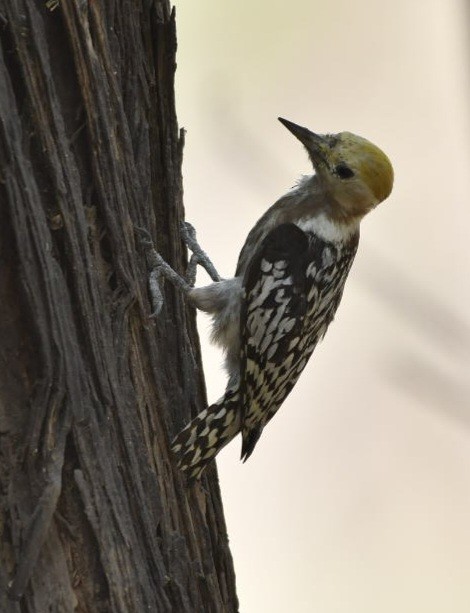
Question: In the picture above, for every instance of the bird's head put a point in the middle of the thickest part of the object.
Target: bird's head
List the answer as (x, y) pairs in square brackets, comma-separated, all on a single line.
[(354, 174)]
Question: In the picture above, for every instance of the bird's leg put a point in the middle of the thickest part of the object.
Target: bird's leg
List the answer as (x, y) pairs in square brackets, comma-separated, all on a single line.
[(199, 256), (159, 268)]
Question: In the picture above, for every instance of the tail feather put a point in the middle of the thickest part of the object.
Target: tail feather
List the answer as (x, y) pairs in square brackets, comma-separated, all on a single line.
[(202, 439)]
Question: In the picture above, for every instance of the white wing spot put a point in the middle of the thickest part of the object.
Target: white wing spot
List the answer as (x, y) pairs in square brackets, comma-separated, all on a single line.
[(266, 266), (278, 274), (271, 351), (293, 344), (221, 413), (311, 269)]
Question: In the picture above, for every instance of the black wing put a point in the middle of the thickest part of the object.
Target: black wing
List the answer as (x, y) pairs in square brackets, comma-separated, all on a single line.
[(272, 318)]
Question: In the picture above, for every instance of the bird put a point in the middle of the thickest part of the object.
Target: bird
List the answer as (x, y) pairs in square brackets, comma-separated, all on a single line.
[(289, 280)]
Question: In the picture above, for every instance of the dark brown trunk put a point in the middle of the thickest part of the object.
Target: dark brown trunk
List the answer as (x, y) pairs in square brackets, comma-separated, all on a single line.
[(94, 515)]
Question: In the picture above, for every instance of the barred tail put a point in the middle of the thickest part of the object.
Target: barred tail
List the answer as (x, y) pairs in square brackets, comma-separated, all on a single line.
[(206, 434)]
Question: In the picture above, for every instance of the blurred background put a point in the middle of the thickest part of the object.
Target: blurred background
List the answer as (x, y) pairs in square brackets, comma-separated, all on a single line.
[(357, 498)]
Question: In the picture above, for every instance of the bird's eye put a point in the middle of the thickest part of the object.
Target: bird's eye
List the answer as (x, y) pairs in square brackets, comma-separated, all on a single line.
[(344, 172)]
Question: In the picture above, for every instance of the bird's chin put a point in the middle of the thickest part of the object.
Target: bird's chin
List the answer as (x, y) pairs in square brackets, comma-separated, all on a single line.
[(353, 203)]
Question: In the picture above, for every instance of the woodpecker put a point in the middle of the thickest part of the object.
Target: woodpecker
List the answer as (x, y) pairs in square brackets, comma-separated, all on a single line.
[(287, 286)]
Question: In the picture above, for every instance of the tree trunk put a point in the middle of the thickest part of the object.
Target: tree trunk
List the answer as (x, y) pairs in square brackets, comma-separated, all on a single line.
[(95, 516)]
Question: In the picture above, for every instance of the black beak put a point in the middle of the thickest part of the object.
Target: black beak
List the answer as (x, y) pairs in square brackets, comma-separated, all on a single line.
[(315, 144)]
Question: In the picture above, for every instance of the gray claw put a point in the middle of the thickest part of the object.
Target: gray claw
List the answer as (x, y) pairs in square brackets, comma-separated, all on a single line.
[(188, 234), (144, 237)]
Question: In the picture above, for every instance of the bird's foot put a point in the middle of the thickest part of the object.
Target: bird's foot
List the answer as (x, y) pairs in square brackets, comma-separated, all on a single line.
[(159, 269), (199, 256)]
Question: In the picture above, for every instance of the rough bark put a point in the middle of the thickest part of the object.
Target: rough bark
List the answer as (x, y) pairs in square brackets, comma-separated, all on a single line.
[(94, 514)]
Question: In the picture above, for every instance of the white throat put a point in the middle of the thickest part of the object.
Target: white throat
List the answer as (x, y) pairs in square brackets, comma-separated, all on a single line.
[(327, 229)]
